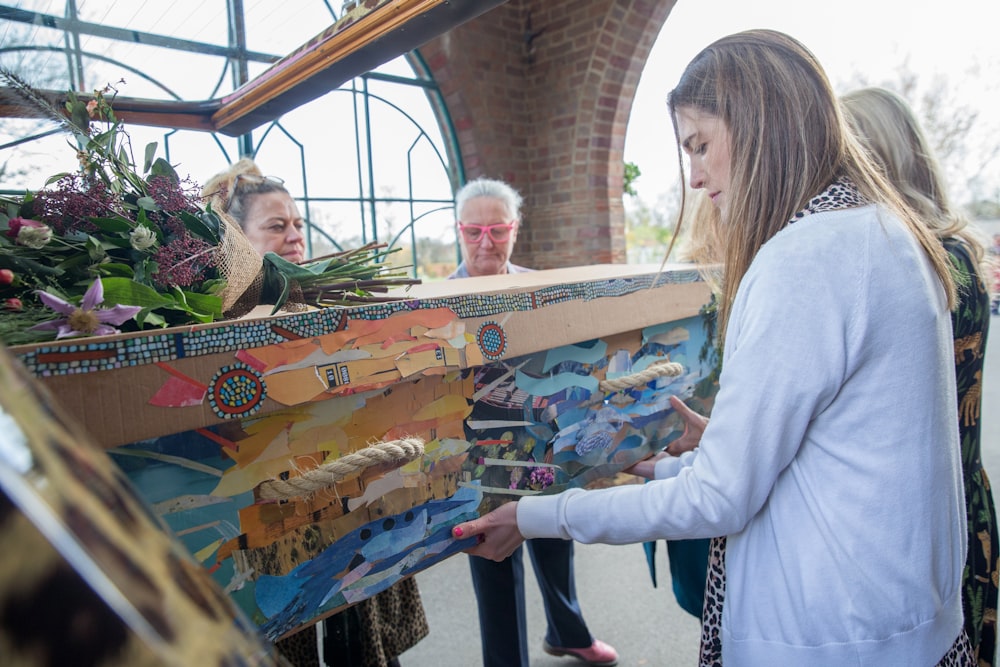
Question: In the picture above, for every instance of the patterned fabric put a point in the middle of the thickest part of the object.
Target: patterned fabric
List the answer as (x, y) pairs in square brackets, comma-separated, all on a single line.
[(369, 634), (300, 649), (971, 323), (710, 653), (841, 194), (976, 644), (960, 653), (396, 622)]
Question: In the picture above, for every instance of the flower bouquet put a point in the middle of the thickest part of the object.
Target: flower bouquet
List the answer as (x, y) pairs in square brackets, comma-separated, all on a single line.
[(111, 247)]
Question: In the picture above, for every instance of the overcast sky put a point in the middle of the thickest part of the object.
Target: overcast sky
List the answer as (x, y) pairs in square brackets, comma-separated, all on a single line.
[(871, 37)]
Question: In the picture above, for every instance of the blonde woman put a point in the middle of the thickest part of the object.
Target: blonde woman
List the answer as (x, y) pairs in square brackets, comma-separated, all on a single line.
[(374, 632), (831, 461), (886, 124)]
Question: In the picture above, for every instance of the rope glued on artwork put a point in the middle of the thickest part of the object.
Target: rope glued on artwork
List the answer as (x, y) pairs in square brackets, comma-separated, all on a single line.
[(393, 453), (654, 371)]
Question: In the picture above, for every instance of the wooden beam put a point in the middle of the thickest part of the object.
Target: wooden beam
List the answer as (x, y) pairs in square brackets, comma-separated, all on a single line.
[(340, 53), (132, 110)]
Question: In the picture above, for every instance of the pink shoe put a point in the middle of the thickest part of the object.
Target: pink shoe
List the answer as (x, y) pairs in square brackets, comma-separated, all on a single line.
[(597, 654)]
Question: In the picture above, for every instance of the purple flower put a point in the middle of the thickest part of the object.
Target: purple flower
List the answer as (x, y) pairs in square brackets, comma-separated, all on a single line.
[(86, 319), (541, 478)]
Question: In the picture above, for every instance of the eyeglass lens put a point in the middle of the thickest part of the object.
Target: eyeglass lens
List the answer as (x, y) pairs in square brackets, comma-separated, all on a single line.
[(498, 233)]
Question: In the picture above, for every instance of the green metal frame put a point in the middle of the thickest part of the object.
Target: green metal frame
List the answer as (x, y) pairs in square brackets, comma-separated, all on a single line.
[(237, 58)]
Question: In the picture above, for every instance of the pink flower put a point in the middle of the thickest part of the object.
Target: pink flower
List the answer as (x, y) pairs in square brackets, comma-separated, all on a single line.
[(13, 304), (91, 108), (86, 319), (14, 226), (6, 277), (29, 233)]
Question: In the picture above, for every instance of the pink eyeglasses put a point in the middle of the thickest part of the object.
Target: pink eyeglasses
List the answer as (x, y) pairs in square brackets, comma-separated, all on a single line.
[(474, 233)]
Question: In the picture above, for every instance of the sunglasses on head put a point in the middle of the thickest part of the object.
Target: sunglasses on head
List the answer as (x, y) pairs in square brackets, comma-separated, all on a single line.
[(257, 180), (250, 181), (474, 233)]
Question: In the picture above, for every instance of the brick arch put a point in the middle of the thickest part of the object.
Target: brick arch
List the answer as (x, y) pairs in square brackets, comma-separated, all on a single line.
[(550, 118)]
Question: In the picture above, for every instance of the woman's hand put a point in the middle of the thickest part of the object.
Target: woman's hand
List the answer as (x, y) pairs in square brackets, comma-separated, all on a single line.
[(694, 426), (646, 467), (497, 532)]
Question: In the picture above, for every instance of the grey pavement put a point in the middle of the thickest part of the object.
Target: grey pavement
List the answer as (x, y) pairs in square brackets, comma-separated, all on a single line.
[(619, 602)]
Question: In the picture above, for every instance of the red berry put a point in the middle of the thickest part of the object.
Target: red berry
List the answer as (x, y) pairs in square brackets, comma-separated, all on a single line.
[(6, 276), (13, 304)]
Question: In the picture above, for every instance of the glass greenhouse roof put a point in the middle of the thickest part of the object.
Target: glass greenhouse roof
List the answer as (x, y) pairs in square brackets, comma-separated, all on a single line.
[(236, 63)]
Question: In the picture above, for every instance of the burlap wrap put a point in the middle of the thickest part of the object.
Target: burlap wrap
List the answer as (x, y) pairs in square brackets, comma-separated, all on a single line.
[(242, 267)]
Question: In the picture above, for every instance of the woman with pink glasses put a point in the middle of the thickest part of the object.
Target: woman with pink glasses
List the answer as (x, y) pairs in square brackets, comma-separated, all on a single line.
[(489, 214)]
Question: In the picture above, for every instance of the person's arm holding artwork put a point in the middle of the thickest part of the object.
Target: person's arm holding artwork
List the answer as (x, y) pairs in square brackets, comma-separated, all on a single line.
[(831, 461)]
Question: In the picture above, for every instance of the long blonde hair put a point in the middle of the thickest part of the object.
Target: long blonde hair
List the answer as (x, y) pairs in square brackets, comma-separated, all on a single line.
[(887, 126), (704, 242), (788, 142)]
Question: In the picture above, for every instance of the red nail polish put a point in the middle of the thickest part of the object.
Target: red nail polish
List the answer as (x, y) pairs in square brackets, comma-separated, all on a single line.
[(458, 531)]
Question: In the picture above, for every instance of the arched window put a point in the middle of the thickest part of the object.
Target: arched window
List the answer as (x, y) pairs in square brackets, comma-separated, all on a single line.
[(372, 160)]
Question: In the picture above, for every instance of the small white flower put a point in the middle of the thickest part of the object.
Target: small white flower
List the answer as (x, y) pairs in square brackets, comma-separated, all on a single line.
[(34, 236), (142, 238)]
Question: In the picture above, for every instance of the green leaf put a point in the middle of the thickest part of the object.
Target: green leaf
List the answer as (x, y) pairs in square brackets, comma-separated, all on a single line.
[(21, 264), (113, 243), (199, 318), (193, 309), (78, 113), (151, 319), (145, 270), (150, 154), (119, 225), (111, 269), (126, 292), (204, 303), (197, 226), (103, 140), (293, 271), (147, 203), (161, 167), (55, 177), (214, 286), (94, 249), (276, 286)]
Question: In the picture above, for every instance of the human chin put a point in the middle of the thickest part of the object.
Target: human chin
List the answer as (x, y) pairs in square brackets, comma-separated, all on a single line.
[(487, 266), (719, 199)]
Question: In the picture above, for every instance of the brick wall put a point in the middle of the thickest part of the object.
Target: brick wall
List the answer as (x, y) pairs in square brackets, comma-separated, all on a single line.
[(550, 117)]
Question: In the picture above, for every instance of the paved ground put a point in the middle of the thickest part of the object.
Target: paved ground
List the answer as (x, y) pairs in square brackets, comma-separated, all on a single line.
[(618, 599), (620, 604)]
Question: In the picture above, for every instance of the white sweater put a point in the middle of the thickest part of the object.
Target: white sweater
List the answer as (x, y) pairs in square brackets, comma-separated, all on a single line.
[(831, 460)]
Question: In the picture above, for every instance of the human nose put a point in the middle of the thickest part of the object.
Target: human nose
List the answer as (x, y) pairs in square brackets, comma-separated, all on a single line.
[(487, 239), (697, 179)]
